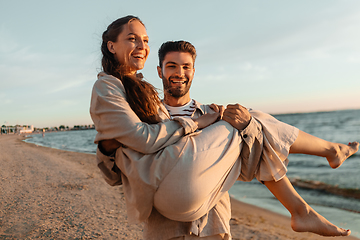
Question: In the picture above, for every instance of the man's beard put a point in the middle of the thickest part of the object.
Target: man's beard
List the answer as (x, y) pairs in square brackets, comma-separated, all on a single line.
[(176, 91)]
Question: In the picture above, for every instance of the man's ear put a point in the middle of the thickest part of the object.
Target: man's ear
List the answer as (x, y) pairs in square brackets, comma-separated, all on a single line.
[(110, 46), (159, 72)]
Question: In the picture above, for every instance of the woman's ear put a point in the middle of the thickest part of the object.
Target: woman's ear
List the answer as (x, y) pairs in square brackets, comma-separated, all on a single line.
[(110, 46)]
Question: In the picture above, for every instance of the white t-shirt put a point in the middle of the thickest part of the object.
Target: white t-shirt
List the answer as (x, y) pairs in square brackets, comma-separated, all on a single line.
[(186, 110)]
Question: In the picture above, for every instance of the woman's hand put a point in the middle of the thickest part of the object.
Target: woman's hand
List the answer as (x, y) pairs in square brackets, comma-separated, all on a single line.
[(218, 108), (210, 118), (207, 119)]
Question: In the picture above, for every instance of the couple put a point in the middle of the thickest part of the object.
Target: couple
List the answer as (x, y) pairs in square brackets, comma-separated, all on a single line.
[(176, 178)]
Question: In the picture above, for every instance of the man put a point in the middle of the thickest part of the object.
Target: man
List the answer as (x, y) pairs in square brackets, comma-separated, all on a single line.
[(176, 69)]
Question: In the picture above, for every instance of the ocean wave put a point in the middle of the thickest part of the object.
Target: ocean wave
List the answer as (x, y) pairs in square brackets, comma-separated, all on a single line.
[(324, 187)]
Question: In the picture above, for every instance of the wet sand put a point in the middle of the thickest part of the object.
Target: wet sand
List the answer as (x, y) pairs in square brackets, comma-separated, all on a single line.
[(54, 194)]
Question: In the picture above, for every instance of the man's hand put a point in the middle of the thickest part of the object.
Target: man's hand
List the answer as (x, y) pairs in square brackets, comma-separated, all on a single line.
[(207, 119), (108, 147), (237, 115)]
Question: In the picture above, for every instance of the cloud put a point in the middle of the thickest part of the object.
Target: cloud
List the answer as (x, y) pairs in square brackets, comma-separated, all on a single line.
[(321, 32), (26, 68)]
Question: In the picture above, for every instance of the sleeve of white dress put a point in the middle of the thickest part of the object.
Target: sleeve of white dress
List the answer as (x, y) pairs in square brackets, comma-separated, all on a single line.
[(114, 119)]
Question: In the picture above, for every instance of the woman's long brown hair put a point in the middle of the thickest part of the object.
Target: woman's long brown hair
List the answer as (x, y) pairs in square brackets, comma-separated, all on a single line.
[(141, 95)]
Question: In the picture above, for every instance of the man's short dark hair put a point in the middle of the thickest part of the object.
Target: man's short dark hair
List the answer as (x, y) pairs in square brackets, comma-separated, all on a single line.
[(176, 46)]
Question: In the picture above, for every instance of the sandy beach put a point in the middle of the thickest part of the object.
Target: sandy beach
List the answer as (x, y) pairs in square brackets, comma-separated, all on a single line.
[(54, 194)]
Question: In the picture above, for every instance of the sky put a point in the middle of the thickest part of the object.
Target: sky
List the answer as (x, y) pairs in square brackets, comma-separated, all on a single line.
[(276, 56)]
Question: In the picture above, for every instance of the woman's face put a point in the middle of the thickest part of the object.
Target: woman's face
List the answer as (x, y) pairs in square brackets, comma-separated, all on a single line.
[(131, 47)]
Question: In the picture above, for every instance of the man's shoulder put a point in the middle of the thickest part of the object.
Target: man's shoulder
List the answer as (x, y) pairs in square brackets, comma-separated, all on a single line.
[(203, 108)]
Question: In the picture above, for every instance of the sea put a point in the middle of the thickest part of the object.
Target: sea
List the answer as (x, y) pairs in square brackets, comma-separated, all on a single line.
[(334, 193)]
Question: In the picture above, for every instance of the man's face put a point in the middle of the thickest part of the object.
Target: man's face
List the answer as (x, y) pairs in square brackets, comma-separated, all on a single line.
[(177, 73)]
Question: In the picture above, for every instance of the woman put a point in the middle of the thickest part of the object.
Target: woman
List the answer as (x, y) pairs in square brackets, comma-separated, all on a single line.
[(126, 108)]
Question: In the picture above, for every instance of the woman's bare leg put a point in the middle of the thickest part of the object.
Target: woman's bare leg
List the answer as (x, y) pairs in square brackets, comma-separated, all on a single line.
[(303, 217), (335, 153)]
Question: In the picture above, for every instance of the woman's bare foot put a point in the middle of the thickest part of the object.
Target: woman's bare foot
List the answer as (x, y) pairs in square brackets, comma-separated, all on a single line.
[(310, 221), (340, 152)]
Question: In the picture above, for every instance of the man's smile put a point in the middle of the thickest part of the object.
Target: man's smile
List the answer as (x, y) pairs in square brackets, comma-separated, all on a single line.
[(178, 81)]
